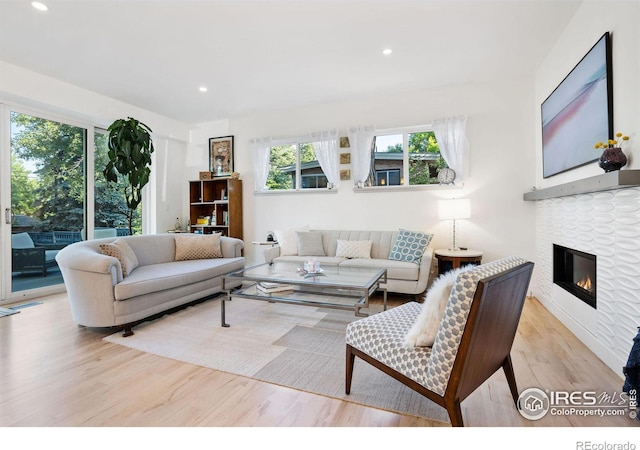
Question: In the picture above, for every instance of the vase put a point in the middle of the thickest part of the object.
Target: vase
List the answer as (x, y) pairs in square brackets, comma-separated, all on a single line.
[(612, 159)]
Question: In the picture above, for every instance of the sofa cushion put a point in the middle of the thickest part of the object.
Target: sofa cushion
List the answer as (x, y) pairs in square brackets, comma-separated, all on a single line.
[(409, 246), (288, 241), (353, 249), (323, 260), (310, 243), (163, 276), (396, 270), (21, 240), (121, 250), (197, 246)]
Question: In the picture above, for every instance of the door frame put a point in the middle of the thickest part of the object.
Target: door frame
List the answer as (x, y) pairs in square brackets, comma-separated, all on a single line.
[(6, 294)]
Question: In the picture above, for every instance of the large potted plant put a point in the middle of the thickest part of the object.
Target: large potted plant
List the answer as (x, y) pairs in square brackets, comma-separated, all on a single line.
[(130, 149)]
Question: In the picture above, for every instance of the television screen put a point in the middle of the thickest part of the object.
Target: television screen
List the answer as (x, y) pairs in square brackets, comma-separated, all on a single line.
[(579, 113)]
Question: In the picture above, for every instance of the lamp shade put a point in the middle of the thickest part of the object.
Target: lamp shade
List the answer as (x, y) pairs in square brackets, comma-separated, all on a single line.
[(459, 208)]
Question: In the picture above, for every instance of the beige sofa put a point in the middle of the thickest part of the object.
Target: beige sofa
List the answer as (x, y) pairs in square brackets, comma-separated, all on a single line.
[(402, 277), (100, 296)]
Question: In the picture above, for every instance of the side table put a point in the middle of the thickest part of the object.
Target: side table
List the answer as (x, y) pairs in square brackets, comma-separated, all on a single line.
[(453, 259)]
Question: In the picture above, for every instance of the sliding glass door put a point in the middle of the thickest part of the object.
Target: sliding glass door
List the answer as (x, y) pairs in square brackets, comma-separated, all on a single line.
[(48, 186), (111, 215), (53, 193)]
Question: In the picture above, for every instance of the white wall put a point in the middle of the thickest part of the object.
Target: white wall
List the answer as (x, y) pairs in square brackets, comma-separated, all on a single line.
[(582, 32), (499, 130), (29, 89), (606, 223)]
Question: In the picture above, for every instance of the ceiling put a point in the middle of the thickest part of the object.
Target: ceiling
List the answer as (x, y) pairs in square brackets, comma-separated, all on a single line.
[(259, 56)]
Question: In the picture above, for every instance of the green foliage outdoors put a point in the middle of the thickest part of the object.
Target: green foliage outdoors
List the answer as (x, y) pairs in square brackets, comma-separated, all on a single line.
[(282, 164), (421, 169), (54, 193), (56, 198), (23, 189)]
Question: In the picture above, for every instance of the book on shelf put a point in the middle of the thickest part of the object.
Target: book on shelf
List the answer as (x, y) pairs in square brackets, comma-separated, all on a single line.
[(269, 288)]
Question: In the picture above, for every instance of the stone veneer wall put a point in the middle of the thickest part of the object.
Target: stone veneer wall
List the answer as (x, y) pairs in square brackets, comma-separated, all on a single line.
[(606, 224)]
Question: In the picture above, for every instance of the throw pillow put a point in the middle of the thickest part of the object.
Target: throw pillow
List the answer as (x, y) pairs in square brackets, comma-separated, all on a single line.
[(124, 253), (354, 249), (288, 241), (197, 246), (409, 246), (310, 243), (424, 330)]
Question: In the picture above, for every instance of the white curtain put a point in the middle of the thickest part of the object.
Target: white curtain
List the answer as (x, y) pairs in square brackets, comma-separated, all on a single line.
[(360, 139), (325, 144), (451, 137), (261, 149)]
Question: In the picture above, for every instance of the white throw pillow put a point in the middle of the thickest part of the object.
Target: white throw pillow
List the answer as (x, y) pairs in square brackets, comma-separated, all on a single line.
[(424, 330), (288, 240), (354, 249)]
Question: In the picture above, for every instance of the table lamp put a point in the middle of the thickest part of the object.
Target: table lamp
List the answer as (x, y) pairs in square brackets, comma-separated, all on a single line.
[(454, 209)]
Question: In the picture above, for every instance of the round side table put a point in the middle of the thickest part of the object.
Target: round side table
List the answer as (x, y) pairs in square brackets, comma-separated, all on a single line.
[(453, 259)]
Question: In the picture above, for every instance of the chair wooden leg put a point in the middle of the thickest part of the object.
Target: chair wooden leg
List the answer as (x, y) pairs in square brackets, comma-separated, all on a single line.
[(349, 370), (507, 366), (455, 413)]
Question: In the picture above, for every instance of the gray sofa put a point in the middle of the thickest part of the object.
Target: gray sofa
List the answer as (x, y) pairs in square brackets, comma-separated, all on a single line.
[(402, 277), (100, 297)]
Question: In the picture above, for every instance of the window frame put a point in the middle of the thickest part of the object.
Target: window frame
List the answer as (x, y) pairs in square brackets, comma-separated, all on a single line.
[(297, 142), (405, 132)]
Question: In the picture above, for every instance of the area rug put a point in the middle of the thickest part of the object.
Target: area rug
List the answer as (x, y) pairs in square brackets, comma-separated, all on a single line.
[(295, 346)]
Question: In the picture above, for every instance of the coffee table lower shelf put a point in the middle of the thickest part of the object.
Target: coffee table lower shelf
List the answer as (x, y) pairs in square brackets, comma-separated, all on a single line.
[(353, 299)]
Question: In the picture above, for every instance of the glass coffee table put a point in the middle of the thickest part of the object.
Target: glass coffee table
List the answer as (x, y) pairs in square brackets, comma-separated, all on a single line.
[(347, 288)]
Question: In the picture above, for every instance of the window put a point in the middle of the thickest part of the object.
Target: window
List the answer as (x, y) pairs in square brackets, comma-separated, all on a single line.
[(47, 186), (294, 166), (111, 211), (412, 155)]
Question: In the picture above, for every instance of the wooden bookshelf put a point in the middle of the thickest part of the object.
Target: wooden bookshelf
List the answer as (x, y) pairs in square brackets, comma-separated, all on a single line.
[(219, 199)]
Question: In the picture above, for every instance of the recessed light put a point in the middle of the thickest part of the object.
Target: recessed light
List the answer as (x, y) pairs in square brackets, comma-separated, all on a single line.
[(202, 89), (40, 6), (387, 51)]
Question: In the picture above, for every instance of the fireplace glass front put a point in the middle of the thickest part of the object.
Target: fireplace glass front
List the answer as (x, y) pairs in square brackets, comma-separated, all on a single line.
[(575, 272)]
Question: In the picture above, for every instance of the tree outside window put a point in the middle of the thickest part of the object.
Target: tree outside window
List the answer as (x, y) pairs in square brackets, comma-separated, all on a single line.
[(284, 170), (396, 156)]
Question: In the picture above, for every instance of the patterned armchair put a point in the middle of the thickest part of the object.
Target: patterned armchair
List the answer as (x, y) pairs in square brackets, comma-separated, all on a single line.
[(473, 342)]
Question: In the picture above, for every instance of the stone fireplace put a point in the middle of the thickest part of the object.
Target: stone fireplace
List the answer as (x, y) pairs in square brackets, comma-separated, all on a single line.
[(605, 224)]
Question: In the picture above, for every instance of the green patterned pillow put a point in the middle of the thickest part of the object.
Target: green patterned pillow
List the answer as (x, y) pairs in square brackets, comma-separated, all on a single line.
[(410, 246)]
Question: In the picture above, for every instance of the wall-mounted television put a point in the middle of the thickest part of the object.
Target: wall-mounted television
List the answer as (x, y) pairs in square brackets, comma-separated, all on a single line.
[(579, 112)]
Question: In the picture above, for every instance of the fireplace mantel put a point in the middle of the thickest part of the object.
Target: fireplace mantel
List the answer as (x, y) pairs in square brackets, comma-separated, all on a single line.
[(618, 179)]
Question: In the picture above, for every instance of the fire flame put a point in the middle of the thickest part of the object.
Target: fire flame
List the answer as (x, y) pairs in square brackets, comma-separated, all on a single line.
[(585, 283)]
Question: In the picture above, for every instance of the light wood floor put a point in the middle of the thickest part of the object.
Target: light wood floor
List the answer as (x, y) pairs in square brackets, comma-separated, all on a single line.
[(55, 373)]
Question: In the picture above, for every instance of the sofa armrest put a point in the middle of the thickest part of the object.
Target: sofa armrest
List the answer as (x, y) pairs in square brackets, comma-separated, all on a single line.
[(271, 253), (425, 270), (87, 260), (231, 247)]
